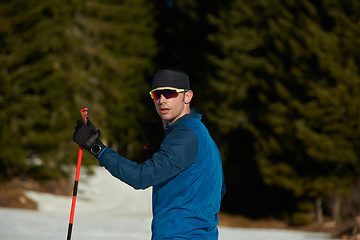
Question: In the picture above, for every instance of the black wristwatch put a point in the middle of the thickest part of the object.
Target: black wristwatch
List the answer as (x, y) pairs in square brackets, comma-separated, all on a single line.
[(95, 149)]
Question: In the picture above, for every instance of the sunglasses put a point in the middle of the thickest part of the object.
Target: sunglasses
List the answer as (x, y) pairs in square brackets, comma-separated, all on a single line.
[(167, 93)]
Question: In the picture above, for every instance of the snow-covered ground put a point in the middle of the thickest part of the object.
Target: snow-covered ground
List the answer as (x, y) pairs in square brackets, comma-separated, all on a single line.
[(107, 209)]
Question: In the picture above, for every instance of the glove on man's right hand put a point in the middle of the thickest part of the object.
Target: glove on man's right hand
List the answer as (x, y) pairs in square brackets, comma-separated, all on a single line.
[(85, 134)]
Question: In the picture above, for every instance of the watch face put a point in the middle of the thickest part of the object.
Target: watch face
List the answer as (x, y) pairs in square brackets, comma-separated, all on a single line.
[(95, 149)]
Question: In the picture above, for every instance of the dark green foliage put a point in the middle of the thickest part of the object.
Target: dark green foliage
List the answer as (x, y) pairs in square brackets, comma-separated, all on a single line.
[(33, 98), (57, 58), (288, 76), (118, 43), (301, 219), (278, 83)]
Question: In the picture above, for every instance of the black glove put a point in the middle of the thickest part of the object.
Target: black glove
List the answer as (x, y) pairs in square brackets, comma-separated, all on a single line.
[(87, 137)]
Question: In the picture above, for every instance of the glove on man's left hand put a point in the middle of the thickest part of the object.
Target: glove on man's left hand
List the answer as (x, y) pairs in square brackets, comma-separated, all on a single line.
[(86, 136)]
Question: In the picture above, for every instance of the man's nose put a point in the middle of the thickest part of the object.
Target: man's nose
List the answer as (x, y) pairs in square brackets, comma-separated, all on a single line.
[(162, 98)]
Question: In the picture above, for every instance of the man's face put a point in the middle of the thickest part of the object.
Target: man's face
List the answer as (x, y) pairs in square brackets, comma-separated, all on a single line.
[(173, 108)]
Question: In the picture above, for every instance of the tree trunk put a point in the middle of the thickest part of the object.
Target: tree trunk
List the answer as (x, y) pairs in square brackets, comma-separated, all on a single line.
[(319, 210), (335, 208)]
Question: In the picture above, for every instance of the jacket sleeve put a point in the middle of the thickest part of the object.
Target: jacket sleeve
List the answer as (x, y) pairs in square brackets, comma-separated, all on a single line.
[(223, 187), (178, 151)]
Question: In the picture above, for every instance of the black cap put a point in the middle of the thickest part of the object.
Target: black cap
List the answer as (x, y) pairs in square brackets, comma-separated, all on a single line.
[(171, 78)]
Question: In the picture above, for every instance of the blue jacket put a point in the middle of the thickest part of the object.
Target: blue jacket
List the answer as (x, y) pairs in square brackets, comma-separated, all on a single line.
[(187, 179)]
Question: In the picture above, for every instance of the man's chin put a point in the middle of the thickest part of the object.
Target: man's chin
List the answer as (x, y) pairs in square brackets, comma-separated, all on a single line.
[(166, 118)]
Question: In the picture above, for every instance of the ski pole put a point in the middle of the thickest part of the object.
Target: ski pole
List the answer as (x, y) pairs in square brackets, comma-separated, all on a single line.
[(84, 115)]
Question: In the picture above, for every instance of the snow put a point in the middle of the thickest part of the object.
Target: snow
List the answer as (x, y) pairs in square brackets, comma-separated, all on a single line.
[(108, 209)]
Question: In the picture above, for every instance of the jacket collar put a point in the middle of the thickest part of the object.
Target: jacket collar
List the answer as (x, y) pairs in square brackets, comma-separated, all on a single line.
[(193, 114)]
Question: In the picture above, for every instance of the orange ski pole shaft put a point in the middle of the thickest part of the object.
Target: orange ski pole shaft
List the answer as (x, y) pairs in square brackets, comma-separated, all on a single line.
[(84, 115)]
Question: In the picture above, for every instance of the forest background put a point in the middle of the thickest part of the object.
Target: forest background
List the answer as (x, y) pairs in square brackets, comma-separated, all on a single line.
[(277, 82)]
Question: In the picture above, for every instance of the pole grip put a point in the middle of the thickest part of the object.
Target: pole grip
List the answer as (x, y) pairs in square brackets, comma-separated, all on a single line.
[(84, 114)]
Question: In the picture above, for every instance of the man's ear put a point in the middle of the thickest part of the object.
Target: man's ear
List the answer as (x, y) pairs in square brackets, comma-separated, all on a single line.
[(188, 96)]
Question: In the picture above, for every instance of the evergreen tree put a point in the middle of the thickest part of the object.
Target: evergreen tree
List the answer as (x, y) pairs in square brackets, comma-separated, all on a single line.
[(34, 108), (287, 83), (57, 58), (119, 55)]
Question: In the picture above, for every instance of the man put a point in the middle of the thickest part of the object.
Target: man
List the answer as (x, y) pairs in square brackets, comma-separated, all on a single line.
[(186, 172)]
